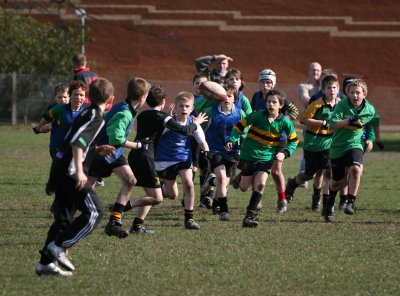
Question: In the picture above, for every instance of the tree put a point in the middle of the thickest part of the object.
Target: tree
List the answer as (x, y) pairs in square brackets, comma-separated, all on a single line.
[(31, 47)]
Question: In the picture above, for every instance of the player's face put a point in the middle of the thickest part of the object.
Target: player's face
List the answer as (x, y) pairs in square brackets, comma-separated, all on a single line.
[(265, 85), (77, 97), (184, 108), (356, 95), (197, 83), (234, 81), (273, 105), (228, 103), (62, 97), (222, 65), (331, 91)]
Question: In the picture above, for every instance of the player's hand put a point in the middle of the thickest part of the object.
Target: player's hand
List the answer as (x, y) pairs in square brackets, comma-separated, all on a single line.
[(171, 109), (223, 57), (353, 119), (81, 180), (35, 130), (202, 117), (144, 144), (280, 156), (228, 146), (368, 145), (105, 150)]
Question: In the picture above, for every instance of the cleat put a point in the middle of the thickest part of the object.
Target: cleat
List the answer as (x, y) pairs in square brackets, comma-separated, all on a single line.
[(141, 230), (342, 203), (290, 190), (207, 201), (191, 224), (249, 222), (100, 182), (350, 208), (224, 216), (282, 206), (329, 214), (236, 181), (114, 228), (206, 187), (60, 254), (51, 269), (316, 203)]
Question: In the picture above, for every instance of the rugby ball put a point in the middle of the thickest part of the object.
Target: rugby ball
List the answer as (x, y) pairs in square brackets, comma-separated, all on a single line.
[(213, 91)]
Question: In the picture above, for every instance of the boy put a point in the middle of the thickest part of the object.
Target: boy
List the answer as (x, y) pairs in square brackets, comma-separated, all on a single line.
[(174, 157), (267, 81), (260, 148), (317, 141), (63, 115), (223, 117), (118, 125), (68, 178), (347, 148), (150, 125)]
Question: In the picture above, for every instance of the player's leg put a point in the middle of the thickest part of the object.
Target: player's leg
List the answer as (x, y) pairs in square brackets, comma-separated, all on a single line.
[(188, 188)]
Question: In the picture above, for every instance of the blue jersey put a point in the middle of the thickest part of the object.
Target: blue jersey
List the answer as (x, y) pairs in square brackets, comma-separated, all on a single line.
[(220, 128), (173, 146)]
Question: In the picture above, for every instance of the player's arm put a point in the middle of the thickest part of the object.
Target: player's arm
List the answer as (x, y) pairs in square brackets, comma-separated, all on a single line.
[(292, 140), (291, 110), (80, 177), (246, 106)]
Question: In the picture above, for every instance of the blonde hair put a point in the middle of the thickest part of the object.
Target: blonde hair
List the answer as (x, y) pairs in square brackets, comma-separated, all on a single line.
[(184, 96), (358, 83)]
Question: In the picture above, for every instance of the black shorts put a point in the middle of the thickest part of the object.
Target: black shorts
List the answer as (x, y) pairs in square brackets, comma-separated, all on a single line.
[(352, 157), (316, 161), (202, 160), (100, 168), (218, 159), (144, 169), (249, 168), (172, 171), (195, 152)]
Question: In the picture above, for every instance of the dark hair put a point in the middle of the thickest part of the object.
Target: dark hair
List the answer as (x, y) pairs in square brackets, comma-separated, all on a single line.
[(100, 91), (231, 89), (137, 87), (79, 59), (279, 93), (77, 84), (329, 80), (199, 75), (346, 81), (156, 94)]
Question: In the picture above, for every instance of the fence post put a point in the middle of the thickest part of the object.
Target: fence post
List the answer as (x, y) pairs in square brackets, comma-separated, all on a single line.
[(14, 99)]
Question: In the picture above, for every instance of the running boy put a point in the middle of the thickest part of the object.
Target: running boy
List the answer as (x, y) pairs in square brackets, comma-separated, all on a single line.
[(347, 148), (317, 141), (118, 124), (174, 157), (260, 148), (150, 125), (223, 117), (68, 177)]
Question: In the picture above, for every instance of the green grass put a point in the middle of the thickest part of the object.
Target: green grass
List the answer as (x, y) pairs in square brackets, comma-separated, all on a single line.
[(295, 253)]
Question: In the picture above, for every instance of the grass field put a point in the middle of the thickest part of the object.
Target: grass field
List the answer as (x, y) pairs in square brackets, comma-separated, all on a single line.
[(294, 253)]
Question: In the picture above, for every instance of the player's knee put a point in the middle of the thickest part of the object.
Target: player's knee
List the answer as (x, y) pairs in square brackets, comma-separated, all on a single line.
[(260, 187)]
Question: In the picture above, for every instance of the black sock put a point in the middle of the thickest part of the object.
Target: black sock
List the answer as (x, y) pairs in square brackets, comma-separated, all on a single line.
[(137, 223), (193, 176), (188, 214), (317, 191), (351, 198), (215, 203), (202, 179), (211, 182), (332, 196), (128, 206), (254, 201), (116, 213), (223, 204)]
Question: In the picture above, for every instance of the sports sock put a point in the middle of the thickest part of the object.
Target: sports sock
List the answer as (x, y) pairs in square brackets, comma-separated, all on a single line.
[(317, 191), (128, 206), (211, 182), (137, 223), (223, 204), (215, 203), (351, 198), (193, 176), (254, 201), (116, 214), (281, 195), (332, 196), (188, 214)]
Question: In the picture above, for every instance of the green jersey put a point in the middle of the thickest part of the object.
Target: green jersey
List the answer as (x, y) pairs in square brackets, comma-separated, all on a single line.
[(263, 137), (318, 138), (350, 136)]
